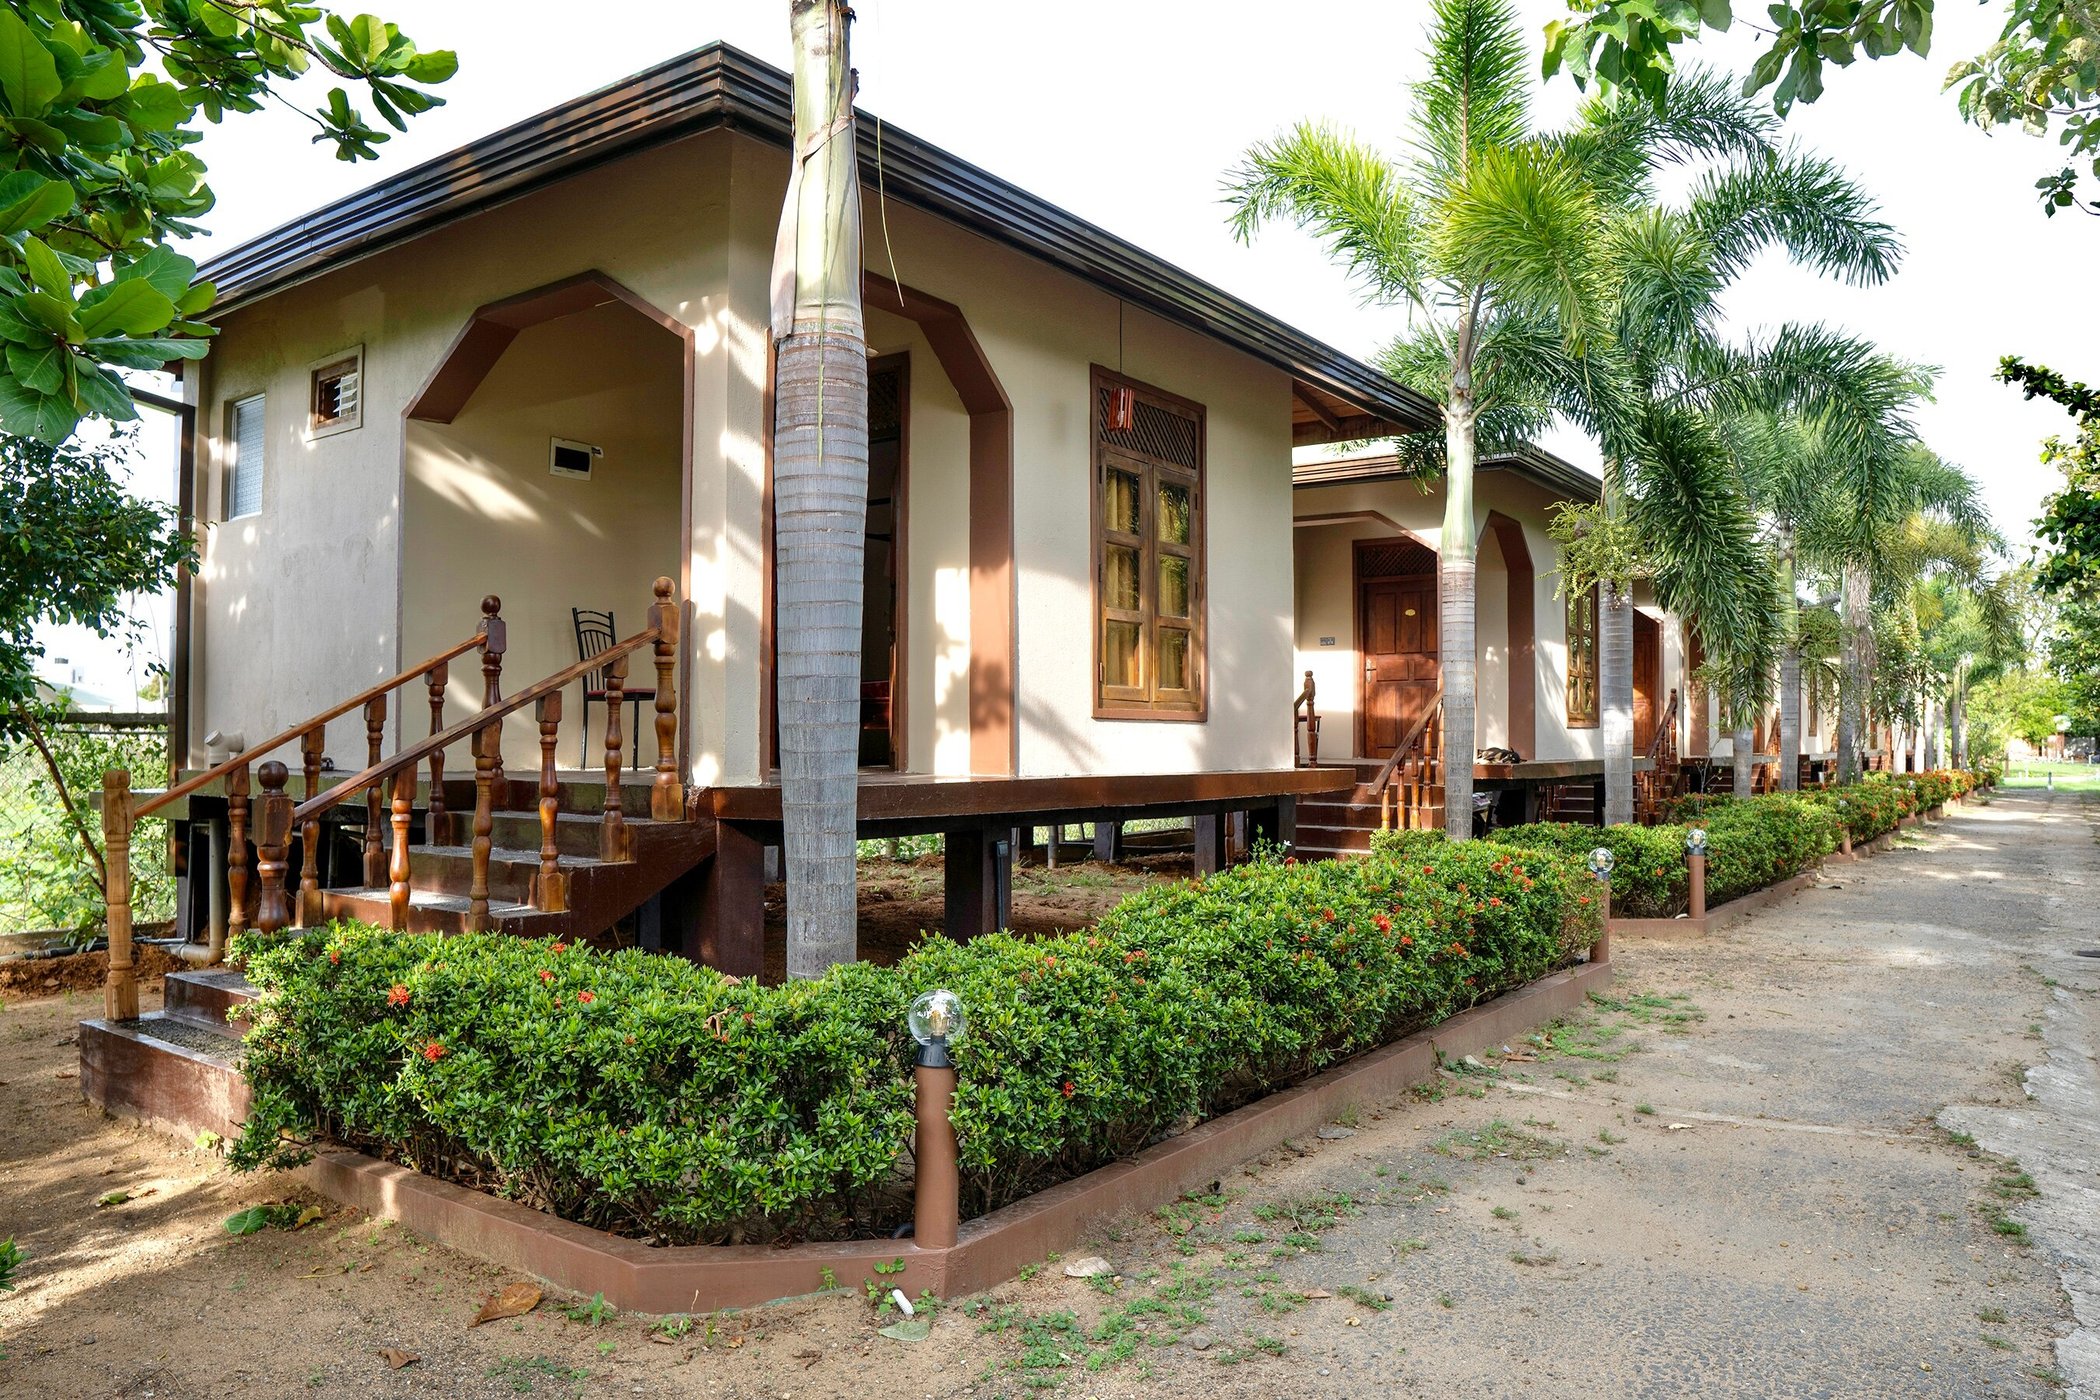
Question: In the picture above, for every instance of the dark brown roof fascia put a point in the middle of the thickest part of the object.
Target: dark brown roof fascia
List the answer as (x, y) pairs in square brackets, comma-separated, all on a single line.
[(722, 87), (1556, 474)]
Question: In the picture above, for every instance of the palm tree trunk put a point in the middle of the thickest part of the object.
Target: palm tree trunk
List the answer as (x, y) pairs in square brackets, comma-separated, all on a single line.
[(1740, 742), (1957, 737), (820, 482), (1789, 670), (1455, 613), (1615, 698), (1852, 681), (1931, 757)]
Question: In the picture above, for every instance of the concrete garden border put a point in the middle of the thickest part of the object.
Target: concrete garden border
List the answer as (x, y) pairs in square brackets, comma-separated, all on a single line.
[(988, 1250)]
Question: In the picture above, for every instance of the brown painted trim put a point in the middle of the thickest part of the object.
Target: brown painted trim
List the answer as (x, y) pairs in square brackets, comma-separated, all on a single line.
[(1564, 480), (988, 1250), (919, 796), (1719, 916), (769, 607), (1138, 707), (900, 563), (1345, 517), (1523, 632), (190, 424), (995, 741)]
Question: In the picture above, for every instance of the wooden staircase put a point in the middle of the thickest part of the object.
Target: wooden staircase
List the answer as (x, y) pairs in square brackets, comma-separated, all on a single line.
[(1404, 792), (560, 856)]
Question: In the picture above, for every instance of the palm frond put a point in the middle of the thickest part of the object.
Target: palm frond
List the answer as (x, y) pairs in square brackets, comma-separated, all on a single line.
[(1345, 193), (1475, 98), (1525, 223), (1621, 139), (1804, 203)]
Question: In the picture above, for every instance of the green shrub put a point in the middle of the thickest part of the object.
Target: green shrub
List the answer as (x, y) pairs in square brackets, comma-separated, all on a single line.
[(1649, 878), (642, 1093)]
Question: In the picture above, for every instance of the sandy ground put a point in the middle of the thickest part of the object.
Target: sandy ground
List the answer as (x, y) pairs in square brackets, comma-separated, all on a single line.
[(1727, 1179)]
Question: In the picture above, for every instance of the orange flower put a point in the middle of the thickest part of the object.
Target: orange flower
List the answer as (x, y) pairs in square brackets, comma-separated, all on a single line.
[(1407, 940), (559, 948), (586, 997), (546, 974), (1584, 900), (433, 1052), (335, 957), (1494, 902), (1385, 925), (397, 995), (1328, 915), (1070, 1089)]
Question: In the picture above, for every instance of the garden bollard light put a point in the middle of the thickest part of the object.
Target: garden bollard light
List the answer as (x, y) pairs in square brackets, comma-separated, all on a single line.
[(936, 1019), (1844, 830), (1695, 856), (1601, 862)]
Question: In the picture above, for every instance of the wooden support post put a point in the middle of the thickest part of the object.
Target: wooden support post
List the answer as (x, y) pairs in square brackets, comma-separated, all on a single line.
[(312, 752), (494, 638), (612, 836), (936, 1203), (375, 749), (1698, 863), (1108, 842), (484, 825), (667, 797), (120, 990), (979, 875), (550, 893), (1209, 828), (731, 933), (437, 822), (1277, 825), (240, 815), (1600, 951), (398, 888), (273, 832)]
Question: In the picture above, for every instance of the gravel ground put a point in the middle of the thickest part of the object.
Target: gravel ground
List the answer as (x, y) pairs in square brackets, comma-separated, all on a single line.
[(1747, 1172)]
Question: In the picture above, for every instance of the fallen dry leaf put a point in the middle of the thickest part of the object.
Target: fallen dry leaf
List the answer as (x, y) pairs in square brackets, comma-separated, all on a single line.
[(397, 1358), (308, 1216), (1317, 1293), (515, 1300)]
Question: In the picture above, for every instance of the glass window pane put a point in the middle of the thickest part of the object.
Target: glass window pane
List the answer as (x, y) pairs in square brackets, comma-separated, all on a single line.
[(1119, 577), (1173, 659), (1173, 512), (244, 492), (1173, 586), (1119, 502), (1119, 654)]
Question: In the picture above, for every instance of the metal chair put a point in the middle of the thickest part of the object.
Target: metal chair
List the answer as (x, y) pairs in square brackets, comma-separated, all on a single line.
[(595, 634)]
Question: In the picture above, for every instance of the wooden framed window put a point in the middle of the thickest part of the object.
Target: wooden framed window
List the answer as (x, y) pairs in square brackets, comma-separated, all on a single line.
[(335, 398), (1582, 660), (1149, 660), (244, 459)]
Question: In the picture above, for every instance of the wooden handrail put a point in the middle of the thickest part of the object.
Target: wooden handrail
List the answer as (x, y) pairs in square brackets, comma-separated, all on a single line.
[(1306, 712), (489, 609), (1414, 736), (474, 724), (1665, 729)]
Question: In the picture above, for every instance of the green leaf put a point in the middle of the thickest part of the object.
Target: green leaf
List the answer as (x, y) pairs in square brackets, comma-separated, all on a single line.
[(41, 368), (126, 308), (1716, 14), (163, 269), (45, 270), (28, 74), (28, 200), (248, 1222), (434, 67), (149, 353), (26, 413), (101, 394), (152, 106)]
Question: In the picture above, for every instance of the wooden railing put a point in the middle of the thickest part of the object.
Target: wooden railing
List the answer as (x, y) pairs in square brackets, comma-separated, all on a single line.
[(483, 732), (121, 814), (1305, 715), (1654, 788), (1410, 787)]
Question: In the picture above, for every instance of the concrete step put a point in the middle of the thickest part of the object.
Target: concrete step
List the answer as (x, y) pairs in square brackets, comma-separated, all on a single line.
[(575, 833), (513, 874), (167, 1072), (203, 996), (433, 911), (1334, 838)]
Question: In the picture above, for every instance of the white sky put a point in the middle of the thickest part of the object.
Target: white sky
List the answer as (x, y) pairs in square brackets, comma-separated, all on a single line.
[(1128, 113)]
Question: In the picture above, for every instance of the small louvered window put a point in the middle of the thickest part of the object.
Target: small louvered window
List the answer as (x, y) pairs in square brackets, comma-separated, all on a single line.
[(335, 400), (244, 464), (1148, 574), (1582, 660)]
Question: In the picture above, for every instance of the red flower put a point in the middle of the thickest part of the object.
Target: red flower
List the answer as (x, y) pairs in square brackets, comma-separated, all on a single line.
[(559, 948), (586, 997), (1290, 860), (1385, 925), (433, 1052), (397, 995), (1429, 870), (1584, 900), (1070, 1089), (335, 957), (1328, 915), (546, 974), (1406, 941), (1494, 902)]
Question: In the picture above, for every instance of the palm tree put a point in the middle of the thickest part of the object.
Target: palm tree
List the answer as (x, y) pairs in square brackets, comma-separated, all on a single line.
[(820, 482), (1484, 232)]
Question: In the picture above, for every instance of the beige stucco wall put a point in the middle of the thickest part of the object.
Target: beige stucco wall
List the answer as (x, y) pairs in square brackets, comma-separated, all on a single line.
[(1332, 517), (484, 513)]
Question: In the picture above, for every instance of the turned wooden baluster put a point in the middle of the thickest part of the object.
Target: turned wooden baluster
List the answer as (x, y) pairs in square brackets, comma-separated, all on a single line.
[(484, 824), (493, 637), (612, 837), (667, 797), (273, 832), (239, 811), (397, 868), (437, 823), (307, 913), (375, 744), (120, 991), (551, 893)]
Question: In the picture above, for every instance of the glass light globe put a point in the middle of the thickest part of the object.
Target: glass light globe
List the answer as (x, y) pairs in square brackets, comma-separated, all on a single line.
[(1602, 860), (936, 1017), (1695, 841)]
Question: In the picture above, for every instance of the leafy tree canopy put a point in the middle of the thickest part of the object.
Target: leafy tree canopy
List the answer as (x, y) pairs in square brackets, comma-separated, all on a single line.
[(73, 547), (2070, 522), (2043, 70), (100, 101)]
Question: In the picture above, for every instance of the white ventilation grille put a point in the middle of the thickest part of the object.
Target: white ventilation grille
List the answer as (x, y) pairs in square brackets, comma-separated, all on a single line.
[(244, 490)]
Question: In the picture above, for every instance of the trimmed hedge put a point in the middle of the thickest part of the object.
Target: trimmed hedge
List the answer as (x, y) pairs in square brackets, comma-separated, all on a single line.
[(648, 1095)]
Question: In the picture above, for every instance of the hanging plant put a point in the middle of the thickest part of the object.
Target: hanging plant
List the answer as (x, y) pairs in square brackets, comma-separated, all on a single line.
[(1595, 548)]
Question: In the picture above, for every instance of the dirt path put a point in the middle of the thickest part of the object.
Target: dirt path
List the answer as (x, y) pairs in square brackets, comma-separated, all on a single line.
[(1728, 1179)]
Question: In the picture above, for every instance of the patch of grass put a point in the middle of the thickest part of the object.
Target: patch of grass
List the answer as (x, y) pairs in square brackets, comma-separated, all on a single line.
[(1313, 1213), (2015, 1186), (1504, 1213), (1403, 1248), (1646, 1108), (1992, 1317), (1535, 1261), (1255, 1347), (1362, 1297), (2049, 1375), (1605, 1136), (596, 1313), (2002, 1224), (523, 1374), (1445, 1300), (1498, 1139), (1997, 1343)]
